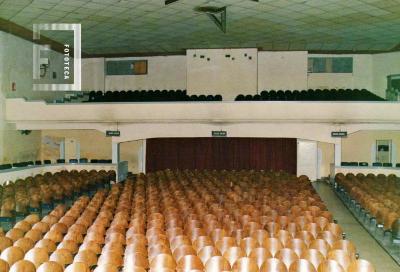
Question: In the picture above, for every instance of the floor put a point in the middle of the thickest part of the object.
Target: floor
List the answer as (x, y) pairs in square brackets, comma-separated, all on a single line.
[(366, 246)]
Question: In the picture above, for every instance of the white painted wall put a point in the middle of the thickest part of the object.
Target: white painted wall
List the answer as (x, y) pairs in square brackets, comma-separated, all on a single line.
[(93, 74), (307, 158), (220, 74), (362, 76), (16, 63), (282, 70), (384, 65), (164, 72)]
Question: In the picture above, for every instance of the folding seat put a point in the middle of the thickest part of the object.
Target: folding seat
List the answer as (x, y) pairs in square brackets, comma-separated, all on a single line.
[(245, 264), (194, 97), (287, 256), (217, 263), (120, 96), (50, 267), (302, 265), (256, 97), (298, 246), (273, 95), (273, 245), (206, 252), (248, 97), (5, 166), (77, 267), (136, 96), (108, 96), (209, 98), (280, 95), (179, 95), (330, 266), (303, 95), (264, 95), (92, 96), (248, 244), (341, 256), (296, 95), (361, 265), (311, 96), (37, 256), (345, 245), (232, 254), (190, 263), (240, 97), (183, 250), (319, 95), (289, 95), (313, 256), (129, 96), (273, 265), (218, 97), (224, 243)]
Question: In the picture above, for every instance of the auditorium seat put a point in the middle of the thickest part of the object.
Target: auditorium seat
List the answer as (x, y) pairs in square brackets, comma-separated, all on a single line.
[(318, 95), (5, 166)]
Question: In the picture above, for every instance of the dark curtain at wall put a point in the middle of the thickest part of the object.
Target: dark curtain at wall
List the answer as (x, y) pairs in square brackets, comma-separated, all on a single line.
[(221, 153)]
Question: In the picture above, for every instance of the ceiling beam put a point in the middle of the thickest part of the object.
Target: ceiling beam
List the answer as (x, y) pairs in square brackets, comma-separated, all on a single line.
[(27, 34), (135, 54), (219, 19), (167, 2)]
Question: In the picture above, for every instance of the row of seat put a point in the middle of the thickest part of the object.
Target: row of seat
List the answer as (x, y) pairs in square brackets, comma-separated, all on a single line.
[(379, 195), (31, 193), (272, 95), (39, 162), (148, 96), (312, 95), (375, 164)]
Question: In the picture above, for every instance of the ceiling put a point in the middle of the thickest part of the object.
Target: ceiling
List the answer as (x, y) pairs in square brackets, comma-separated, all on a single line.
[(148, 26)]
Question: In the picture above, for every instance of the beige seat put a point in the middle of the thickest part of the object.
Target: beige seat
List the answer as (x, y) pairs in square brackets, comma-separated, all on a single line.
[(12, 254), (50, 267), (23, 265), (37, 256), (273, 265)]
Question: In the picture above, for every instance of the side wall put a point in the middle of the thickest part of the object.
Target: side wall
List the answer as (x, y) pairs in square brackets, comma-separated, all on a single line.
[(384, 65), (93, 144), (16, 63), (211, 71), (358, 146), (362, 76)]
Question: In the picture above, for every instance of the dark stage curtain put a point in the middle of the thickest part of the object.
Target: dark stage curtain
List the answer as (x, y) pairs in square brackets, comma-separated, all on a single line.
[(222, 153)]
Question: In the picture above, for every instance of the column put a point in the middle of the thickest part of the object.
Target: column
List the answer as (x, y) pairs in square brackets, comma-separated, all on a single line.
[(115, 152), (338, 153), (142, 157)]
